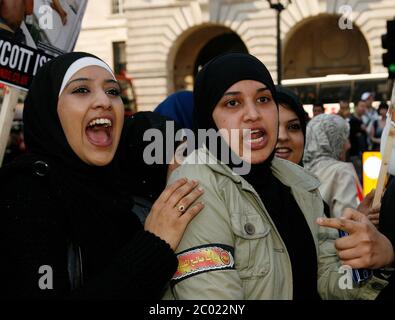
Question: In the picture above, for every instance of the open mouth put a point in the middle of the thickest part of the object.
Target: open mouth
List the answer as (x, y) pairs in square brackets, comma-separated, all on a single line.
[(257, 139), (283, 152), (99, 132)]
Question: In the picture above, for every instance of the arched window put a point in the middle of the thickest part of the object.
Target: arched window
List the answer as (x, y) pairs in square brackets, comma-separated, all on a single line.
[(198, 48), (318, 47)]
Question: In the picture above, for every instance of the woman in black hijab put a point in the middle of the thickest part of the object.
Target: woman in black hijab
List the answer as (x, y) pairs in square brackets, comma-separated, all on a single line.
[(292, 126), (257, 236), (292, 129), (66, 221)]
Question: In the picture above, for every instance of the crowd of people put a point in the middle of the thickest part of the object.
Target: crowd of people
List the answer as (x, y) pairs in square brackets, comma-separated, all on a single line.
[(209, 231)]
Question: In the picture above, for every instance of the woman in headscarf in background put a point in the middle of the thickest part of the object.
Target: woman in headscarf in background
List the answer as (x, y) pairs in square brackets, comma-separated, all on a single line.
[(257, 236), (292, 129), (325, 153), (292, 126), (67, 223), (179, 107), (385, 221)]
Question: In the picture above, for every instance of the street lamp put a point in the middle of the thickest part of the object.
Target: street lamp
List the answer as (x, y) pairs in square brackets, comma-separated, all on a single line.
[(279, 6)]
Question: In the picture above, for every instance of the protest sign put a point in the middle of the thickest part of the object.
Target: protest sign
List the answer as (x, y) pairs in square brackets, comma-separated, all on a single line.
[(31, 33), (34, 31)]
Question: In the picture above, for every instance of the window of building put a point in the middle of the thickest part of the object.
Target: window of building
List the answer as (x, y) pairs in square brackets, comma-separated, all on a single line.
[(119, 54), (127, 91), (117, 6)]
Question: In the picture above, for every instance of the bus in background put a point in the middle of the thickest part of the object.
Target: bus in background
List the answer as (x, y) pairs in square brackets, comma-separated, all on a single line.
[(333, 88)]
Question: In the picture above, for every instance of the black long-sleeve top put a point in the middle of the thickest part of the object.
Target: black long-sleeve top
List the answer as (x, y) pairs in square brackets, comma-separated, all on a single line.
[(119, 259)]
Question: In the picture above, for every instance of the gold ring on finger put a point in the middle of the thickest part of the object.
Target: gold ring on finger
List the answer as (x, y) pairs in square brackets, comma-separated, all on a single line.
[(181, 208)]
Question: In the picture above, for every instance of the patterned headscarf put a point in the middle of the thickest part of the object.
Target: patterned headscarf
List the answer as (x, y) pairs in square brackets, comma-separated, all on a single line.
[(325, 138)]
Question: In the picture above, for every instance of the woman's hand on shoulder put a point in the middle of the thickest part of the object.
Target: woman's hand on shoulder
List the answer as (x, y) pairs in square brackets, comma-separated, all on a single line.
[(173, 210)]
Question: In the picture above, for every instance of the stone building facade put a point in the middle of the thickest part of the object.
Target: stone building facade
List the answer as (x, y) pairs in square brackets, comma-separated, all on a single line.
[(162, 43)]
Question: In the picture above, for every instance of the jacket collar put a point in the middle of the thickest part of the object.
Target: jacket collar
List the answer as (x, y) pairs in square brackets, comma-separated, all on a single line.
[(297, 178), (294, 175), (288, 173)]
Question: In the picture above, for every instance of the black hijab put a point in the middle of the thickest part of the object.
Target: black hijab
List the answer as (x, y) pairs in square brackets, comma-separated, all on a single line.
[(218, 75), (291, 100), (211, 83), (43, 131), (88, 196)]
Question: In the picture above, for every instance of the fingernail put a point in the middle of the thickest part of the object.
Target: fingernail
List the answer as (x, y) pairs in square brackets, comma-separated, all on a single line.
[(201, 189), (320, 220)]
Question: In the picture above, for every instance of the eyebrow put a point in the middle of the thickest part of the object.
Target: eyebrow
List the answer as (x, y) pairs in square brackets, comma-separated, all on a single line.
[(292, 120), (89, 79), (234, 93)]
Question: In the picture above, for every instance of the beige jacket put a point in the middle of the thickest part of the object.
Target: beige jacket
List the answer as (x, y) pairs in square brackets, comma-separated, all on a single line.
[(235, 217)]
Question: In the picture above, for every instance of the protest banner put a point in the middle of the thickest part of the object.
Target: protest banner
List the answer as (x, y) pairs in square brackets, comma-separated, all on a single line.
[(19, 63), (31, 33)]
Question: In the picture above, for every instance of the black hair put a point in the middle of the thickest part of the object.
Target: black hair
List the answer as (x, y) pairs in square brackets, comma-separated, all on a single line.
[(383, 105), (356, 101), (292, 101), (319, 104)]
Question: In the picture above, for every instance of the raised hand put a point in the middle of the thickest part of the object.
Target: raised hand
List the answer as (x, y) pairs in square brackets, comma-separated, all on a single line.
[(365, 246)]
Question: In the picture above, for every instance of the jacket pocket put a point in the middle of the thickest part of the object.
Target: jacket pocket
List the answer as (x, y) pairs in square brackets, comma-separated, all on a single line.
[(252, 252), (249, 226)]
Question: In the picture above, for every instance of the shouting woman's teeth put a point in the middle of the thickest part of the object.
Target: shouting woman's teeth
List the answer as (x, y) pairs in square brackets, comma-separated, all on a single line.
[(101, 122), (256, 136), (99, 132)]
